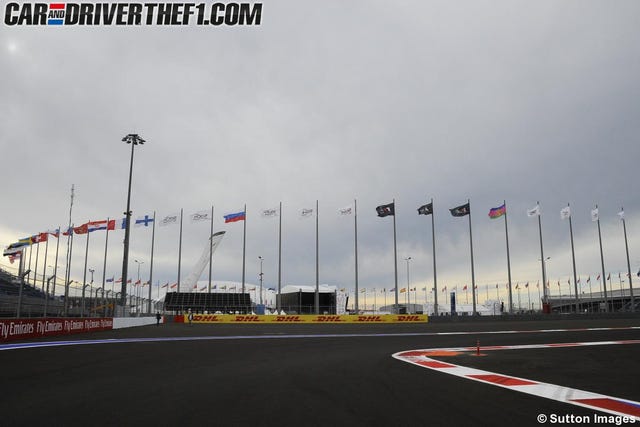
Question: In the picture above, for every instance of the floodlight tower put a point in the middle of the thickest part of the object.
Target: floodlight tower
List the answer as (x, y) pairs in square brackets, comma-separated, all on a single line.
[(133, 139)]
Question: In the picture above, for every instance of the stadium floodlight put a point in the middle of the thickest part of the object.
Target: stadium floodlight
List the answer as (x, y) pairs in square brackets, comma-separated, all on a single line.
[(133, 139)]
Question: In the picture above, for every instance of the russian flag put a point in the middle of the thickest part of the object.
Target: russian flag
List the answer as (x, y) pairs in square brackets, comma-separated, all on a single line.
[(497, 212), (234, 217)]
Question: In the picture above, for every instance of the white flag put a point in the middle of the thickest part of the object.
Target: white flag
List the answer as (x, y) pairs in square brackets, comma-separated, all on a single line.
[(346, 211), (621, 214), (269, 213), (306, 213), (594, 215), (170, 219), (534, 211), (565, 213), (200, 216)]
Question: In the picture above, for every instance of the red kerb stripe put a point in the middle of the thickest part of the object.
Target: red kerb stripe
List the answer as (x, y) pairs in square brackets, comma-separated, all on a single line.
[(501, 379), (435, 364)]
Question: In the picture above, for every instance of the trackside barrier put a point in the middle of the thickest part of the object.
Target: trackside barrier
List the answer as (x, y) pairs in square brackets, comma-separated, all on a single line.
[(128, 322), (20, 329), (304, 318)]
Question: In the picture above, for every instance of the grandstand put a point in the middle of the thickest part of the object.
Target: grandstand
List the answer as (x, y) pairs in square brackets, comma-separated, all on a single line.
[(181, 302), (35, 302), (617, 300)]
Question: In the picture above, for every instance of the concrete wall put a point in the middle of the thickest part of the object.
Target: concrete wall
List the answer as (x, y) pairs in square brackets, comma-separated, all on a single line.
[(128, 322)]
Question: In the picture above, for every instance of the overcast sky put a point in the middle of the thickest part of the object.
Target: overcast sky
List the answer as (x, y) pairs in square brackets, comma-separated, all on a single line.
[(335, 101)]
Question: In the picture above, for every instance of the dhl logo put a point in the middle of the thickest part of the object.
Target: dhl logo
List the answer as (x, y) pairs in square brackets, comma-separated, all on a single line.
[(288, 319), (407, 318), (370, 319), (247, 319), (328, 319), (206, 318)]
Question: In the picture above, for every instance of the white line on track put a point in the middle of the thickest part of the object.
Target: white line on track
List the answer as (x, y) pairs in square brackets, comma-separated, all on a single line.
[(38, 344)]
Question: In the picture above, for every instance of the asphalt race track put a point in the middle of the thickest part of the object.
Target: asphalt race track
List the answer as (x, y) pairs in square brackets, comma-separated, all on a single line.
[(310, 375)]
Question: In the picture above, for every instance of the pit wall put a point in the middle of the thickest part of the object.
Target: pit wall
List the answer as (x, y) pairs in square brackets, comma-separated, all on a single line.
[(303, 318)]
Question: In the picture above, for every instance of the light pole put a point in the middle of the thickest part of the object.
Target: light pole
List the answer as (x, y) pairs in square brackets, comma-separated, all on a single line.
[(92, 270), (55, 268), (22, 276), (261, 277), (82, 305), (105, 306), (133, 139), (408, 309), (46, 296)]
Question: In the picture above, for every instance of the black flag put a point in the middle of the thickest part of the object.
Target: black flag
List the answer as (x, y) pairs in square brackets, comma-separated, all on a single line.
[(426, 209), (461, 210), (386, 210)]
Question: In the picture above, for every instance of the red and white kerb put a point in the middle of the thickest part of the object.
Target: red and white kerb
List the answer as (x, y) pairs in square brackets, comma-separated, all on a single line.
[(600, 402)]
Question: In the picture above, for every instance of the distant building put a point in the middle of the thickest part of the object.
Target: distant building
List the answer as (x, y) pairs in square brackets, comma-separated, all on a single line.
[(301, 299)]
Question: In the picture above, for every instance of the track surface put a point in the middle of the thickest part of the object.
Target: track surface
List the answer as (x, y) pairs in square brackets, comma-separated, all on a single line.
[(308, 375)]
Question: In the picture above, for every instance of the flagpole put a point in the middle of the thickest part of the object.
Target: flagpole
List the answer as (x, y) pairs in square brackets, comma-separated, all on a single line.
[(44, 274), (21, 289), (67, 278), (626, 246), (55, 268), (44, 267), (395, 257), (435, 277), (35, 268), (179, 251), (84, 277), (573, 260), (210, 249), (317, 296), (355, 224), (104, 264), (30, 250), (473, 275), (278, 304), (244, 242), (506, 233), (604, 280), (153, 239), (544, 273)]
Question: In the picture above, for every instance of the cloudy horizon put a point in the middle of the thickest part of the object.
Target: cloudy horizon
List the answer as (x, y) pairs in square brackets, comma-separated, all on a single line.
[(486, 101)]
